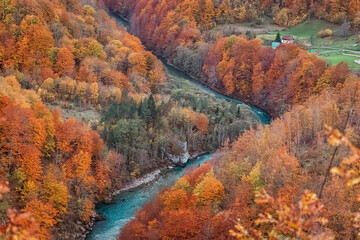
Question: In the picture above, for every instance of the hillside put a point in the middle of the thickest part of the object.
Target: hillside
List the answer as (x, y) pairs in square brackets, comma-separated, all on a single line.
[(274, 181), (87, 110), (271, 79), (123, 116), (270, 174), (73, 54)]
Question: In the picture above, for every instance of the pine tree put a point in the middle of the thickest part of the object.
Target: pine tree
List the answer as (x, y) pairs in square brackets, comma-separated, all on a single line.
[(238, 113), (278, 38), (152, 108)]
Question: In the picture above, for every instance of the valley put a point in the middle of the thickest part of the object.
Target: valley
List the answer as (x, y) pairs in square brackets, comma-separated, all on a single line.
[(172, 119)]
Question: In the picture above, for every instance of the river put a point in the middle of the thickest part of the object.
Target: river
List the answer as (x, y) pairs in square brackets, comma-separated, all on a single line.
[(129, 201)]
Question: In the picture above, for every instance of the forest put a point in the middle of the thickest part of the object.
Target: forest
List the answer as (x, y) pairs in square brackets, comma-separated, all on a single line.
[(294, 178), (208, 13), (72, 55), (272, 182), (64, 53), (184, 33)]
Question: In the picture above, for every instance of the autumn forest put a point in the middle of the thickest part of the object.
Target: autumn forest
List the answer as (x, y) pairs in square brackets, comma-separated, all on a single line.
[(95, 112)]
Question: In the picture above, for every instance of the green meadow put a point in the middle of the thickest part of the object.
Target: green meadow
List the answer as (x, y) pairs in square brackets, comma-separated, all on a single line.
[(307, 32)]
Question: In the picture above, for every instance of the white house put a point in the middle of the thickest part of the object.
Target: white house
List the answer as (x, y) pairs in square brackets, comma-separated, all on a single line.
[(287, 39)]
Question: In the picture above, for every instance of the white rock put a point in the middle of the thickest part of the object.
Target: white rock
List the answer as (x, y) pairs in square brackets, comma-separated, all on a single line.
[(182, 158)]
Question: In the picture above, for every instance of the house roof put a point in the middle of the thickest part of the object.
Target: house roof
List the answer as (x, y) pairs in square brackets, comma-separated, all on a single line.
[(287, 37)]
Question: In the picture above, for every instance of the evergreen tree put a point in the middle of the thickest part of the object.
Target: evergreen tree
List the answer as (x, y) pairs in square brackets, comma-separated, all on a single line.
[(278, 38), (152, 108), (238, 113)]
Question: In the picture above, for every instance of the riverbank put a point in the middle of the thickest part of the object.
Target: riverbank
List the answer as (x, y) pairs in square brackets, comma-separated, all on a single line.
[(86, 228), (140, 181), (129, 201), (258, 109), (132, 196), (125, 22)]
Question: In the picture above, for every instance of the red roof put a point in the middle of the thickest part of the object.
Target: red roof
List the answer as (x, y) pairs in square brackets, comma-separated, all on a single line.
[(287, 37)]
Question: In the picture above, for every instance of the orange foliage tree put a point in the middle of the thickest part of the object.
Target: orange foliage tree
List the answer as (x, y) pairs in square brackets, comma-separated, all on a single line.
[(43, 214), (64, 62)]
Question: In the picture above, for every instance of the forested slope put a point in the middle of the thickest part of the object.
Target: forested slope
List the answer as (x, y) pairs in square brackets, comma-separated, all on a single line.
[(72, 55), (273, 182), (181, 32), (70, 52), (288, 159), (208, 13), (56, 170)]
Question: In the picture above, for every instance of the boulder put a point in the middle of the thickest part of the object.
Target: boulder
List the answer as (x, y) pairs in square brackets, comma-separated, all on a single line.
[(180, 158)]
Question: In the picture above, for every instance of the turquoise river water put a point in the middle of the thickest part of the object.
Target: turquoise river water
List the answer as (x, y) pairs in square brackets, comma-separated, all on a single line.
[(126, 203)]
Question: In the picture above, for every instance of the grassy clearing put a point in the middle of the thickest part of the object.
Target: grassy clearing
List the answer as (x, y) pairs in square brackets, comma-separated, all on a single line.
[(334, 59), (89, 115), (308, 31)]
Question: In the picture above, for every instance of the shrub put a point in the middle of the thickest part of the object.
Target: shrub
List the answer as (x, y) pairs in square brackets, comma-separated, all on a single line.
[(325, 33)]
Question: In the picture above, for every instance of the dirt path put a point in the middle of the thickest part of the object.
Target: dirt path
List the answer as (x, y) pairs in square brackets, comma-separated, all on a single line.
[(352, 55)]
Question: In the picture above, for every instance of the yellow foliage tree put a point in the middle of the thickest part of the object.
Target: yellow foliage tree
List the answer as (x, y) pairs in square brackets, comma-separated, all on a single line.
[(209, 190), (56, 191), (173, 199), (94, 93)]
